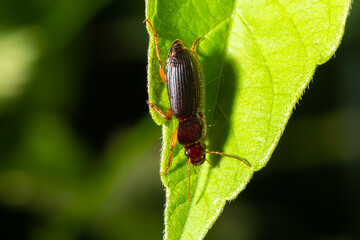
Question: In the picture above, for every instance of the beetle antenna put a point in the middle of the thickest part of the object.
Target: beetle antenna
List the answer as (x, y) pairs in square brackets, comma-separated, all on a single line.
[(188, 195), (223, 154)]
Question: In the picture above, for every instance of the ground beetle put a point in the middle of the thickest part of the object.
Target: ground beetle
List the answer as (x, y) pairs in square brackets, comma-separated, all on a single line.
[(184, 80)]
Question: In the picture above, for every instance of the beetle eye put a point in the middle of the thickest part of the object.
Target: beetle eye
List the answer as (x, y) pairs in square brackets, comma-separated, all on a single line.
[(186, 152)]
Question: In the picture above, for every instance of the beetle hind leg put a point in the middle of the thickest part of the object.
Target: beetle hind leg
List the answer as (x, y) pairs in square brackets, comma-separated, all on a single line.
[(194, 45), (161, 69)]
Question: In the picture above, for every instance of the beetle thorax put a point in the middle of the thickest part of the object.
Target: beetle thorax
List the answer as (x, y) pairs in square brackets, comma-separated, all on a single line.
[(190, 131)]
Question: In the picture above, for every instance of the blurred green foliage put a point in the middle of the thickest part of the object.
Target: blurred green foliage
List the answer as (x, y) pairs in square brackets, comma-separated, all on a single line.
[(79, 154), (68, 170)]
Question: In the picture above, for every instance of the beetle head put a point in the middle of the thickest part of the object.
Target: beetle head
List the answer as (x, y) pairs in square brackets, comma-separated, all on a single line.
[(196, 153)]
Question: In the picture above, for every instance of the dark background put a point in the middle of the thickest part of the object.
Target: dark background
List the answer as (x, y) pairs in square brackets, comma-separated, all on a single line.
[(79, 154)]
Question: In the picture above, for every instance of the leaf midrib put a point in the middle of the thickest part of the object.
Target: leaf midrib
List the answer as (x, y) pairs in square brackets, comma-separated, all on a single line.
[(231, 17)]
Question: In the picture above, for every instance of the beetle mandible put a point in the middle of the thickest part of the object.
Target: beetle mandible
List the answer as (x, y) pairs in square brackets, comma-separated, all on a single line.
[(184, 79)]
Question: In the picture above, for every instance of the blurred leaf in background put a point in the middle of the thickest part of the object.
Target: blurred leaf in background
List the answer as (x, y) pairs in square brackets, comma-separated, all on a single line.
[(77, 159), (19, 49), (79, 154)]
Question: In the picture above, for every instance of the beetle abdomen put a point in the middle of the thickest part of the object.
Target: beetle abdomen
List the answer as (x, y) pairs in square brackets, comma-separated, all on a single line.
[(183, 80)]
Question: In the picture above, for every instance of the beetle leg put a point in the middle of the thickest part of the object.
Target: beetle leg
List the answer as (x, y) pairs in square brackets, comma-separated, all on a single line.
[(172, 145), (204, 120), (194, 45), (168, 114), (161, 69), (194, 169), (208, 162)]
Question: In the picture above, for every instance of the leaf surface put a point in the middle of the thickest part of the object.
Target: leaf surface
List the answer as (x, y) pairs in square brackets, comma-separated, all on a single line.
[(258, 57)]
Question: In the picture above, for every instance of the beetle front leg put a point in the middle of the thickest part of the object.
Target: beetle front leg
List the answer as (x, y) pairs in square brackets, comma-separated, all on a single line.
[(172, 145)]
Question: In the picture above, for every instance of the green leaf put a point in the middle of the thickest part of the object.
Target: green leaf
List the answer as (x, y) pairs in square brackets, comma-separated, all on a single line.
[(258, 56)]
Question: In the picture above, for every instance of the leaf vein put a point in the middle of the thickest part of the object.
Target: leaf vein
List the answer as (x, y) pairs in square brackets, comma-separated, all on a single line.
[(267, 68)]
